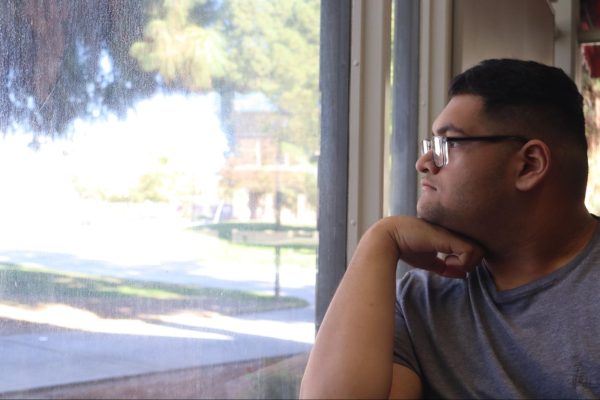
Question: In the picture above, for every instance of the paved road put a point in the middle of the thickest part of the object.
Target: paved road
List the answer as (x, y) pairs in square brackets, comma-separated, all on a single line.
[(60, 354), (60, 357)]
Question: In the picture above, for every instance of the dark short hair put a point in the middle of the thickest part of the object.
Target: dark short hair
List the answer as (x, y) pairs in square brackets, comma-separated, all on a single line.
[(534, 100), (532, 95)]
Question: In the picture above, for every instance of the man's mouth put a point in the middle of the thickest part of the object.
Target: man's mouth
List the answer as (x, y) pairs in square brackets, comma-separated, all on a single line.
[(426, 185)]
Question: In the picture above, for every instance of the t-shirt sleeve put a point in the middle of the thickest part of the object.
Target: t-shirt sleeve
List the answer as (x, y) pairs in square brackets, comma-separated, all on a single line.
[(404, 351)]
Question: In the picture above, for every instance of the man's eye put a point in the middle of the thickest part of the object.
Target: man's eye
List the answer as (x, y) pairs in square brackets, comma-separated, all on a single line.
[(452, 143)]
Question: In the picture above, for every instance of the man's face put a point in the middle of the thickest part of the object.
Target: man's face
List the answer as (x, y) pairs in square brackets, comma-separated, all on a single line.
[(471, 190)]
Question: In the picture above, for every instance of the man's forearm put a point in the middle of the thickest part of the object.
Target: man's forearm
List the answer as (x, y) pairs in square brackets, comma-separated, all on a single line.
[(352, 355)]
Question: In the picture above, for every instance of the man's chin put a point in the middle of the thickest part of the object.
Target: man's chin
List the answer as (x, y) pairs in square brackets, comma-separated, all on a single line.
[(435, 216), (430, 214), (443, 221)]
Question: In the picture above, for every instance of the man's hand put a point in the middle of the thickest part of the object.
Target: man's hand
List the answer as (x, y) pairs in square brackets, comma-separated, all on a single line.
[(431, 247)]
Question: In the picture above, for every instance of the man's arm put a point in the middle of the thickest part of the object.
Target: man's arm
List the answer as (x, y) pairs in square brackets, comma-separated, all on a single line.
[(352, 354), (406, 384)]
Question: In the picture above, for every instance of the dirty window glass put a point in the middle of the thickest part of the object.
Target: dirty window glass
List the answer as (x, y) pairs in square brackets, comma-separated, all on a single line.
[(158, 164), (590, 88)]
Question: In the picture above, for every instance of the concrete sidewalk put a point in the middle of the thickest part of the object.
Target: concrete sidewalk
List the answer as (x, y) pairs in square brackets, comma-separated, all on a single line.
[(48, 359)]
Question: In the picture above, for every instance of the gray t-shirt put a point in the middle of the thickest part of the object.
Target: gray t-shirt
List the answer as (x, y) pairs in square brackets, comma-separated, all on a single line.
[(465, 339)]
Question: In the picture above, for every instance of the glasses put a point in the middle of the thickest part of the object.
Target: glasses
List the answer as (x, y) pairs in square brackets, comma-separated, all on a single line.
[(439, 145)]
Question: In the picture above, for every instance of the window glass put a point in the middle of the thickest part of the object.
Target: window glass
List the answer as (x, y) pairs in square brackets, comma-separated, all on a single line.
[(590, 87), (158, 166)]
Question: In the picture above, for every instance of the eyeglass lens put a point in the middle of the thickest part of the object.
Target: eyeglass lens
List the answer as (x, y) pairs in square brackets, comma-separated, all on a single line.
[(439, 151), (438, 146)]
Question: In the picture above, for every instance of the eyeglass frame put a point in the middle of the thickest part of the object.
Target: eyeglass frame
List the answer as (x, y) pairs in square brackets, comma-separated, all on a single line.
[(438, 145)]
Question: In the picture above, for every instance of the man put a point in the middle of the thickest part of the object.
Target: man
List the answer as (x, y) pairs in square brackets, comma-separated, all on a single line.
[(504, 301)]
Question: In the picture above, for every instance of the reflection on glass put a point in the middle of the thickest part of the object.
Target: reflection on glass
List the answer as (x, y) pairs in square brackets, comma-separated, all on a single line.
[(158, 207), (590, 88)]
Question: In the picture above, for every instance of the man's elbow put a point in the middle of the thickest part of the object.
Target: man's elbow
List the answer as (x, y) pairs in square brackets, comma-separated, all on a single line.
[(310, 389), (314, 388), (323, 389)]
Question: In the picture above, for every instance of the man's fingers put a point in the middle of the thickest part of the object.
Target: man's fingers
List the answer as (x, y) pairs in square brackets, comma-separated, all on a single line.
[(420, 243), (441, 267), (455, 267), (465, 261), (458, 257)]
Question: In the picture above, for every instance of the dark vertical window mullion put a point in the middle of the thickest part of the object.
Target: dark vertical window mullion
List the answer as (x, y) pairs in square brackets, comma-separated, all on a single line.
[(405, 111), (333, 159)]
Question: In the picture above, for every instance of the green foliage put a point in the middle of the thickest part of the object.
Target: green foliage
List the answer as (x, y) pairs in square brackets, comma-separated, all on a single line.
[(185, 54), (269, 46), (51, 69), (156, 186), (150, 188), (276, 48), (161, 181)]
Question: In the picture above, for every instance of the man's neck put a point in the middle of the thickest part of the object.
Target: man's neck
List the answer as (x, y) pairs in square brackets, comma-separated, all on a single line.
[(539, 251)]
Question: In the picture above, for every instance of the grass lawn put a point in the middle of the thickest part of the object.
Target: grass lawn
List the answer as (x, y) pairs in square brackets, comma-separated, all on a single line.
[(124, 298), (223, 252)]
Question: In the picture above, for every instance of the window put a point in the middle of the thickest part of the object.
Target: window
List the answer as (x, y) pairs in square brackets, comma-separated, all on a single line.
[(165, 166), (159, 197), (589, 72), (590, 88)]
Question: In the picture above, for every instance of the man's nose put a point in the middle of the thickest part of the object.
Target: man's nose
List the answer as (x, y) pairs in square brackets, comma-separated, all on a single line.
[(426, 164)]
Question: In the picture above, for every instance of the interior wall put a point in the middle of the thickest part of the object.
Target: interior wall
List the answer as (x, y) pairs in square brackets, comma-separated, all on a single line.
[(508, 28)]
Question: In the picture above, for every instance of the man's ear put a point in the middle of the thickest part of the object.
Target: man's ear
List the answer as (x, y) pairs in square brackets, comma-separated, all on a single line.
[(535, 159)]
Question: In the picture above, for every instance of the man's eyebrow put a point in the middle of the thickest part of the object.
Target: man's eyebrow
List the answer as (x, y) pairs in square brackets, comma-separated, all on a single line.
[(449, 128)]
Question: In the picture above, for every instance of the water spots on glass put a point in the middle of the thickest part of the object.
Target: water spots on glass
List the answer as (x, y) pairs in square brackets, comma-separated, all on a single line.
[(158, 204)]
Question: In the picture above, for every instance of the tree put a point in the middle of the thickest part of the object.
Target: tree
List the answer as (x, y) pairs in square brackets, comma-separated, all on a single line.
[(244, 46), (186, 55), (67, 59), (276, 48), (63, 59), (276, 45), (241, 46)]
